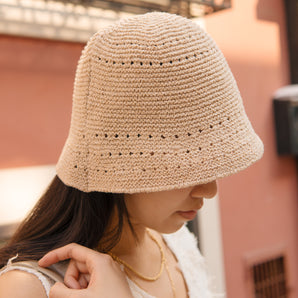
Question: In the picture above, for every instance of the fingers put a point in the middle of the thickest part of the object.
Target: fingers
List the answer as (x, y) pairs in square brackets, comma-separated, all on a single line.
[(70, 251), (84, 281), (89, 274), (77, 283), (72, 275), (59, 290), (76, 275)]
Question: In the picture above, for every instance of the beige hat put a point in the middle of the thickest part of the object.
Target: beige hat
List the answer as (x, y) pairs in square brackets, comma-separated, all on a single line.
[(155, 107)]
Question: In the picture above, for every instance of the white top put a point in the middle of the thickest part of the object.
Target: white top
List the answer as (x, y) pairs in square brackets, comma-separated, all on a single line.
[(182, 243)]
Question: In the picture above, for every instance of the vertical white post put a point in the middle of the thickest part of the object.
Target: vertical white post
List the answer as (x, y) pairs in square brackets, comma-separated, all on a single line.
[(210, 239), (209, 230)]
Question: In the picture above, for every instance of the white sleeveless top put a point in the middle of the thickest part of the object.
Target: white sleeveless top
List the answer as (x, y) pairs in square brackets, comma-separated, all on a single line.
[(182, 243)]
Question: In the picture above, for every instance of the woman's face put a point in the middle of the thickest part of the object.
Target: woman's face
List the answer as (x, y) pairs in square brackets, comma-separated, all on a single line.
[(167, 211)]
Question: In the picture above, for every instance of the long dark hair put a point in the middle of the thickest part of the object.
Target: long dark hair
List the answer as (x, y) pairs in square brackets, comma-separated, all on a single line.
[(63, 215)]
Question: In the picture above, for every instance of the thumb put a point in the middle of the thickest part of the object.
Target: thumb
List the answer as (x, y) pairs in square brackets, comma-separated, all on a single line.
[(59, 290)]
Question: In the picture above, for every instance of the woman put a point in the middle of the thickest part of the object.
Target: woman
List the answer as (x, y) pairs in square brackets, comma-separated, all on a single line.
[(157, 118)]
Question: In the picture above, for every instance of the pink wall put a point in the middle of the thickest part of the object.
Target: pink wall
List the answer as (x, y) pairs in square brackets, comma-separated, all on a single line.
[(36, 81), (259, 206)]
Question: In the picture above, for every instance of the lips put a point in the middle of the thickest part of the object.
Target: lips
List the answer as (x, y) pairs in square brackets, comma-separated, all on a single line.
[(190, 215)]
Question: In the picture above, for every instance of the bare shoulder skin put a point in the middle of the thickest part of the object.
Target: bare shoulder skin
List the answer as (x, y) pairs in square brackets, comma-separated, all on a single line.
[(20, 284)]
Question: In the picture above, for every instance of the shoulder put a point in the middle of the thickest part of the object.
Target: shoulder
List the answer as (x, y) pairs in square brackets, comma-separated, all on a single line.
[(21, 284)]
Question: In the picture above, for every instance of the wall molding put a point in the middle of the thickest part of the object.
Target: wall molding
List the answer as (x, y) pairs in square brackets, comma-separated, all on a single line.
[(53, 20)]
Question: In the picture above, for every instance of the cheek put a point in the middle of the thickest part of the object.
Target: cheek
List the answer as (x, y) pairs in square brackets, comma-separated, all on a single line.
[(154, 215), (143, 210)]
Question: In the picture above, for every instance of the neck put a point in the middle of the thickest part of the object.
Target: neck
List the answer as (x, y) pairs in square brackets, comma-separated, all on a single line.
[(131, 242), (138, 248)]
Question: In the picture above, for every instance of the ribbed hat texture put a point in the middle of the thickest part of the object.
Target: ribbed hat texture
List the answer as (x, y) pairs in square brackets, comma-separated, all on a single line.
[(155, 107)]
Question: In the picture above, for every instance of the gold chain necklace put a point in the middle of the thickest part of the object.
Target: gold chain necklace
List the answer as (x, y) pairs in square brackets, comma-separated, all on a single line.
[(171, 280), (140, 274), (163, 263)]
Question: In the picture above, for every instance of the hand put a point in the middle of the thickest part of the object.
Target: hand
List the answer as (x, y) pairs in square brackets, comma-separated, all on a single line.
[(89, 274)]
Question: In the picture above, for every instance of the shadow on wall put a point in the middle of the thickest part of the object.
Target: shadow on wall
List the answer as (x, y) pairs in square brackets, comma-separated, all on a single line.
[(274, 11)]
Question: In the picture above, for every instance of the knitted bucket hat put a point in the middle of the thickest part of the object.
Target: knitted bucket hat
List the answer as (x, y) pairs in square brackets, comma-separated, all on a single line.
[(155, 107)]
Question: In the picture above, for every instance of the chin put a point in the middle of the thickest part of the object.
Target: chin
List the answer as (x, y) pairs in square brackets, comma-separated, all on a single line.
[(168, 229)]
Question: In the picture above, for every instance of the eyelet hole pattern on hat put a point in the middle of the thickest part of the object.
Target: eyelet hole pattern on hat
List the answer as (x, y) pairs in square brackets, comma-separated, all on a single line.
[(162, 136), (161, 63), (150, 136), (143, 169), (211, 126), (141, 153)]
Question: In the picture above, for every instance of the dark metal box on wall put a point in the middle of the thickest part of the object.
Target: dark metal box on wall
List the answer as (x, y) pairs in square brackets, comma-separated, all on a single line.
[(187, 8), (285, 105)]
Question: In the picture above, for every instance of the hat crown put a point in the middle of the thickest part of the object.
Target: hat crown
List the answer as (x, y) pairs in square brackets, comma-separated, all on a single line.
[(155, 37), (155, 107), (151, 34)]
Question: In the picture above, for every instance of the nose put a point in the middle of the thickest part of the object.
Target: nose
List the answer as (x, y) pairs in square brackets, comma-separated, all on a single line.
[(207, 191)]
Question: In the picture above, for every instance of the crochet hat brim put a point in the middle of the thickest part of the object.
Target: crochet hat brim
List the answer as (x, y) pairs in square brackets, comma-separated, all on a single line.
[(155, 108)]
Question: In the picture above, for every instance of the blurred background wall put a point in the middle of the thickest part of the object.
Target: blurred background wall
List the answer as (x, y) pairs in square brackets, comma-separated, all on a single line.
[(259, 206)]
